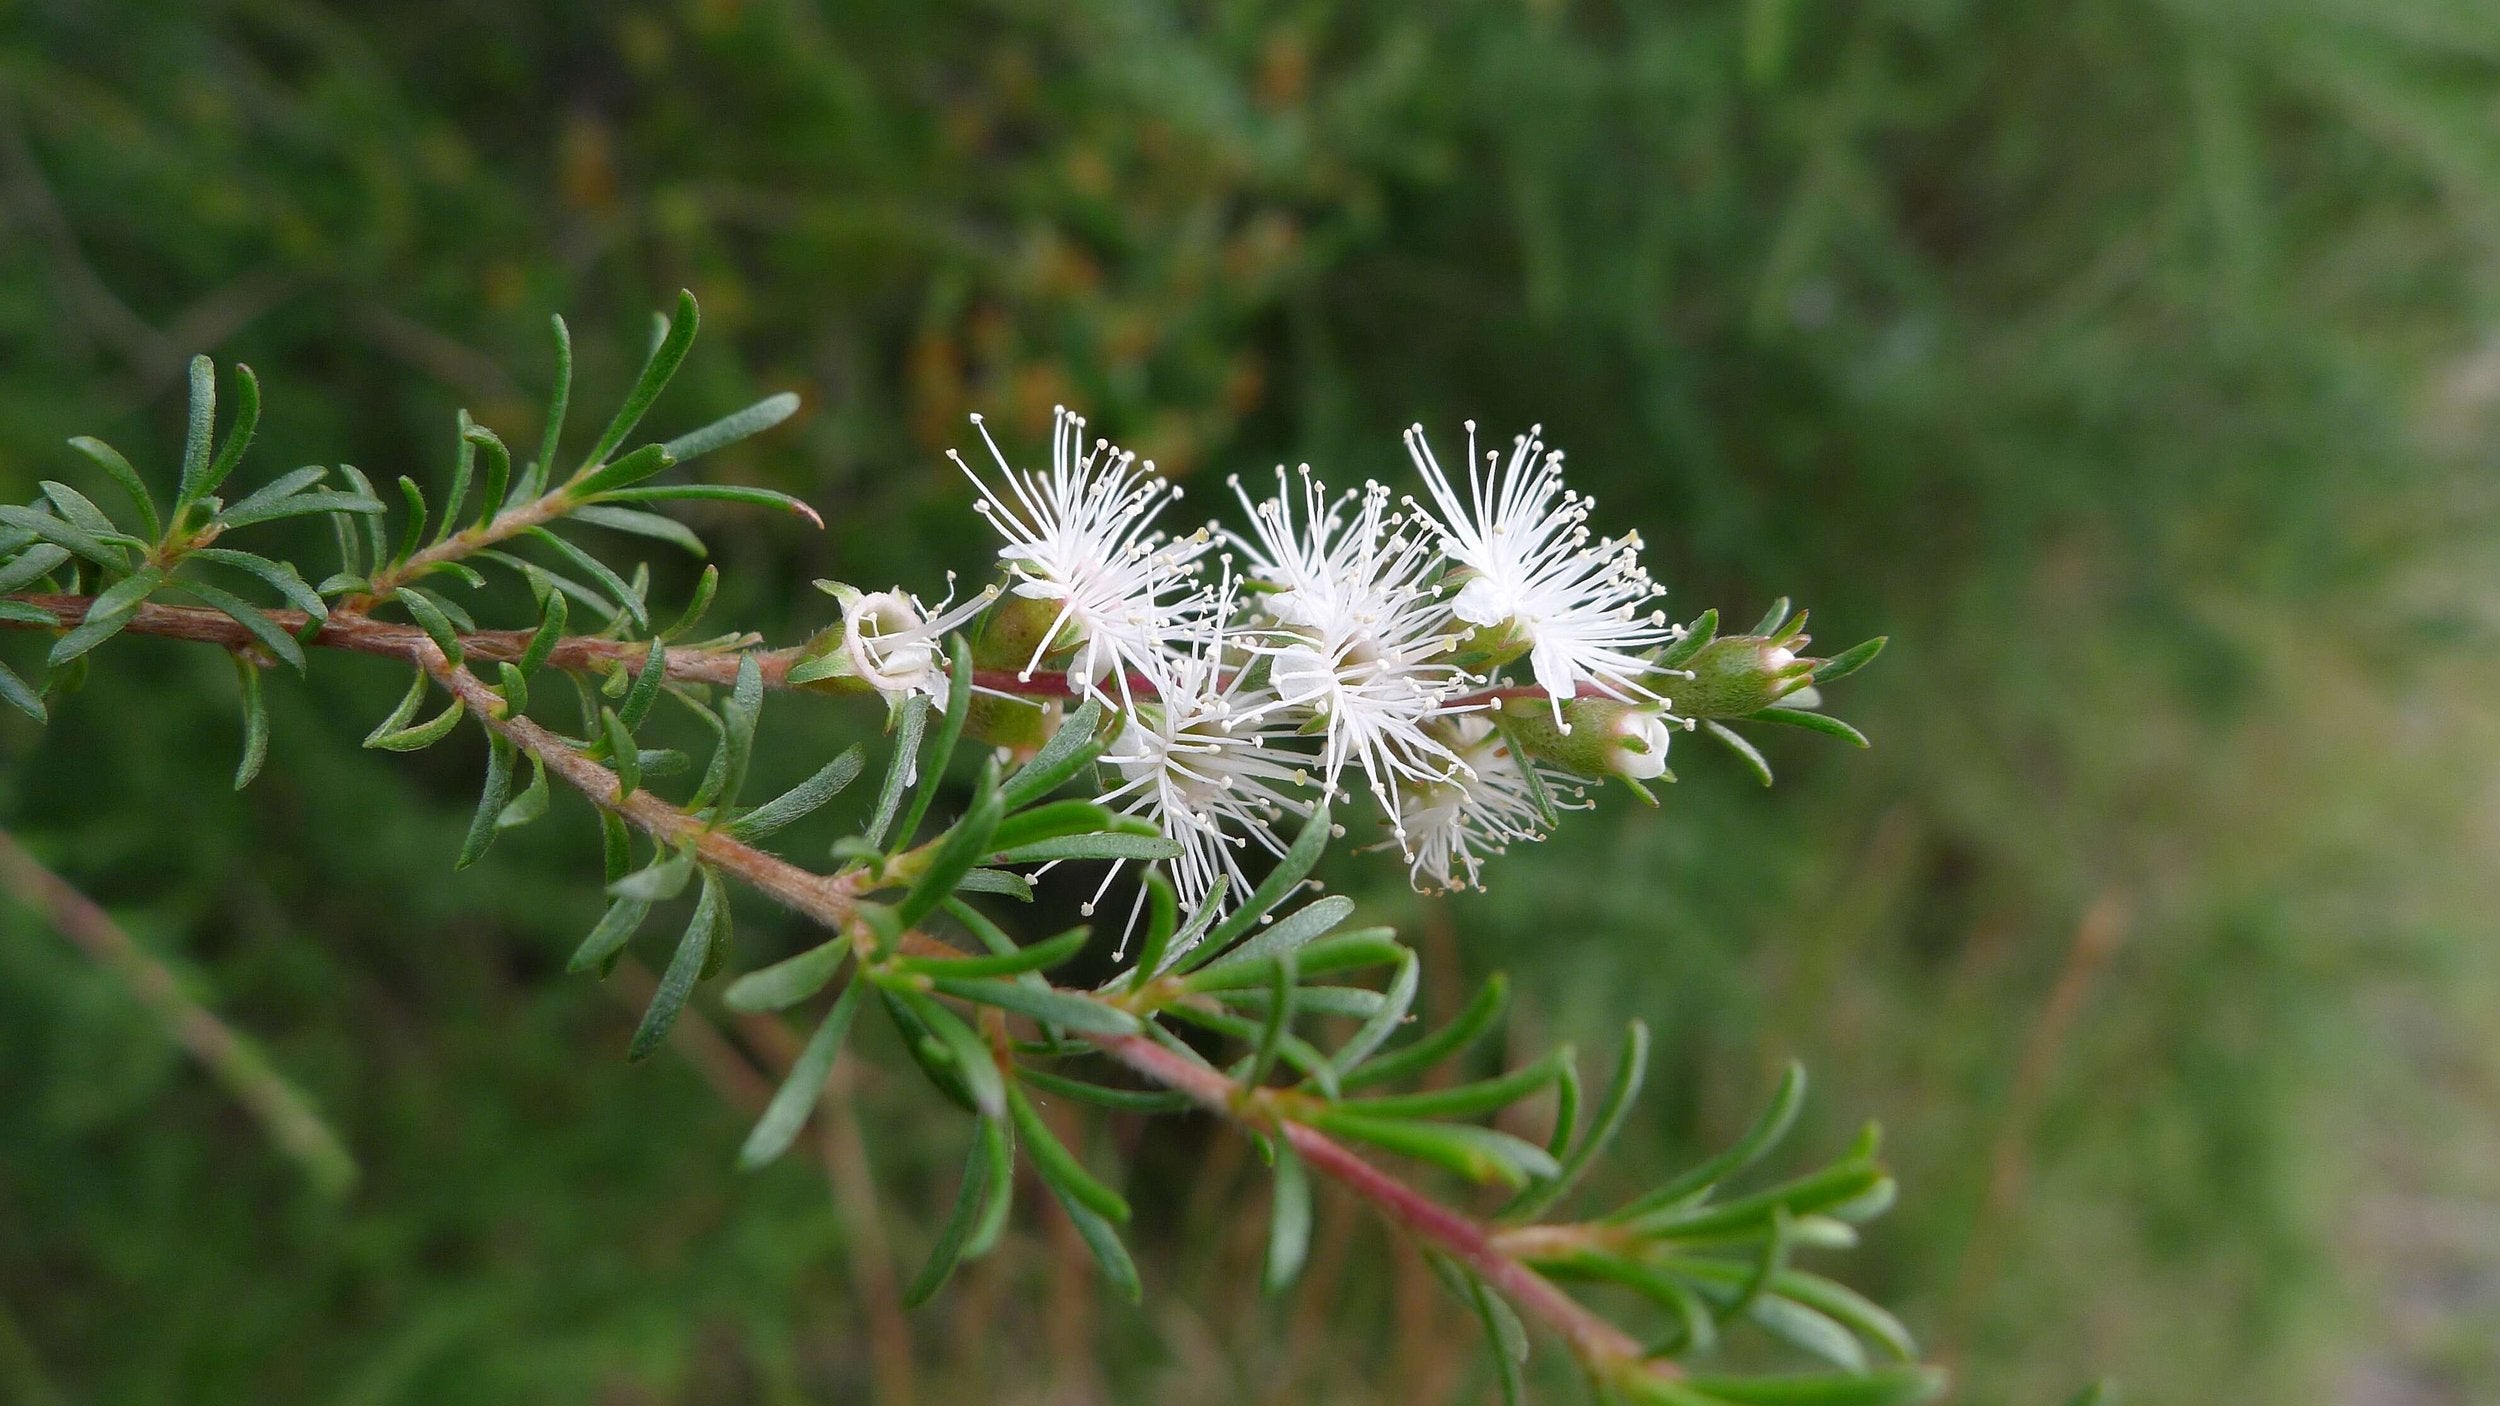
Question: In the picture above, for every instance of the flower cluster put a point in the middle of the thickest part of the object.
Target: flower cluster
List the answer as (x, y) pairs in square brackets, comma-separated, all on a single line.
[(1347, 632)]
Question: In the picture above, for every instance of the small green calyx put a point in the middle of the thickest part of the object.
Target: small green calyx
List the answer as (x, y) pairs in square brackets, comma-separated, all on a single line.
[(1598, 737), (1738, 675)]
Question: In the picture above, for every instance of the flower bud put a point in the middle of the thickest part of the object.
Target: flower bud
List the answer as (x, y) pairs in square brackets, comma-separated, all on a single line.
[(1736, 675), (1600, 737), (1012, 634)]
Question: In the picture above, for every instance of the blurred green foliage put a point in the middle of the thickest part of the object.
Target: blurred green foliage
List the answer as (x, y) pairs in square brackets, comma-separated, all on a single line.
[(2129, 363)]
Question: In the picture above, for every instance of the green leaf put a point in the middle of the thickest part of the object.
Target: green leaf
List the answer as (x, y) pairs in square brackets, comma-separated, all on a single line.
[(623, 755), (789, 981), (255, 722), (262, 629), (657, 882), (552, 613), (1289, 934), (1503, 1335), (715, 492), (26, 613), (299, 505), (411, 531), (642, 524), (1068, 751), (238, 435), (1771, 622), (490, 802), (735, 426), (1281, 987), (196, 440), (1062, 1008), (31, 565), (14, 690), (1891, 1386), (284, 485), (972, 1059), (126, 478), (1479, 1154), (704, 587), (1059, 1167), (531, 804), (738, 720), (1469, 1100), (63, 534), (1041, 956), (1272, 890), (695, 951), (1462, 1031), (962, 846), (950, 730), (1812, 722), (787, 1112), (1631, 1064), (1110, 844), (999, 881), (998, 1149), (75, 507), (801, 800), (430, 618), (656, 371), (559, 396), (1744, 750), (609, 935), (624, 595), (515, 688), (1767, 1130), (1125, 1100), (1292, 1049), (1850, 660), (624, 473), (280, 576), (1288, 1219), (616, 846), (418, 737), (1118, 1270), (107, 615), (900, 770), (490, 498), (1375, 1031), (970, 1196), (1052, 821)]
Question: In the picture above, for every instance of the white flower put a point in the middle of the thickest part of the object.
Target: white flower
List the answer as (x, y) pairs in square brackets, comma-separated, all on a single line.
[(1640, 737), (1360, 633), (1207, 761), (892, 639), (1452, 824), (1082, 535), (1524, 537)]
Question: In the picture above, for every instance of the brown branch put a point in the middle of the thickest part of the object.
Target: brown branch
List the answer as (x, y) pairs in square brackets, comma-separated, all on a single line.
[(832, 902), (362, 634)]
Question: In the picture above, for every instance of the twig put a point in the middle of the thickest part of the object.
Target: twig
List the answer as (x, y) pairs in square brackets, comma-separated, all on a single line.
[(831, 902), (282, 1111)]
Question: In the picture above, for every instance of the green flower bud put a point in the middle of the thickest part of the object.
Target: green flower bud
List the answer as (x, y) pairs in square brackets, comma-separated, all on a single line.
[(1737, 675), (1599, 737), (1012, 634)]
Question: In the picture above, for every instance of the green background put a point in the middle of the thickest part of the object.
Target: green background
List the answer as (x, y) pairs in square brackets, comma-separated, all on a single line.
[(2132, 365)]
